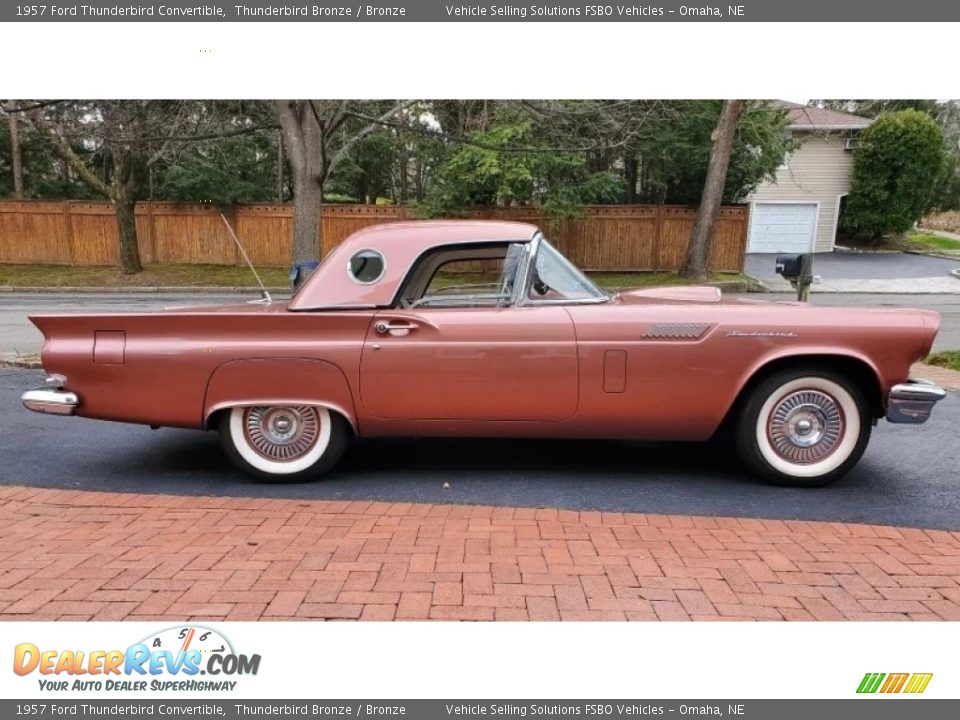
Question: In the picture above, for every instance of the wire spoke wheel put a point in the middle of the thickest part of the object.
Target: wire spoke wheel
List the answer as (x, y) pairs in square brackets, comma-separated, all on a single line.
[(284, 443), (805, 427), (282, 434)]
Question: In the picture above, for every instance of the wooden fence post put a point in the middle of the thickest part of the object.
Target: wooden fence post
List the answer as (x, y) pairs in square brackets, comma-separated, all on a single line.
[(68, 232), (657, 231)]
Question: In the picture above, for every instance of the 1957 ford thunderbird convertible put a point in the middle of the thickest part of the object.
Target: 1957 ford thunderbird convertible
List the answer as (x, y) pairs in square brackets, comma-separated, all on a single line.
[(383, 339)]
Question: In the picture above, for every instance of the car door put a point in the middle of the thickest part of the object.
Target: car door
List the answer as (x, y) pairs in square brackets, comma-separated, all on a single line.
[(486, 363)]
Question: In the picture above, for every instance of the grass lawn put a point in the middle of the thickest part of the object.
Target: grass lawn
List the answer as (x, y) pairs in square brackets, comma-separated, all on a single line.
[(932, 242), (54, 276), (152, 276), (948, 359), (914, 240)]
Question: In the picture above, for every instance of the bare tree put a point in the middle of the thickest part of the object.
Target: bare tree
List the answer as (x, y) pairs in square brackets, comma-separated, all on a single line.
[(131, 135), (698, 251), (317, 136)]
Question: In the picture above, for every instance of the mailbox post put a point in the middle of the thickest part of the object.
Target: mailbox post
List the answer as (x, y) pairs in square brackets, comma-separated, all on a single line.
[(798, 269)]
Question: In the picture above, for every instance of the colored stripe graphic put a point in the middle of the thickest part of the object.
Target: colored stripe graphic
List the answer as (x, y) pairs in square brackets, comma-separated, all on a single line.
[(894, 683), (870, 682), (918, 683)]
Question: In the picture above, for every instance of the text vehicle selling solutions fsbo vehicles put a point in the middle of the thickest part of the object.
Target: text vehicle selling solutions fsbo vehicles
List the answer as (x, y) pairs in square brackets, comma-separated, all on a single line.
[(484, 329)]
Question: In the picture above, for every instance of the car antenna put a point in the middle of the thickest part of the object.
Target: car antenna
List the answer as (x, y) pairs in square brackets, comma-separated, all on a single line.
[(264, 294)]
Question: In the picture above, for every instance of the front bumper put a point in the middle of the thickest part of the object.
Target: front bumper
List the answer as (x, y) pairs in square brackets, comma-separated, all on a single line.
[(913, 401), (51, 400)]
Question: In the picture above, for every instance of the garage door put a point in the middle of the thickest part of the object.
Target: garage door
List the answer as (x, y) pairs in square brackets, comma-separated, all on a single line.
[(782, 227)]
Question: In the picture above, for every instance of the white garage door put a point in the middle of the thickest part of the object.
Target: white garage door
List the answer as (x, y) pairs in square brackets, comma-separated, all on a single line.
[(782, 227)]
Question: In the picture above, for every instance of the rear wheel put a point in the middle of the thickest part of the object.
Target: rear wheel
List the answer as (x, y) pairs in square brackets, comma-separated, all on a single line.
[(803, 427), (284, 443)]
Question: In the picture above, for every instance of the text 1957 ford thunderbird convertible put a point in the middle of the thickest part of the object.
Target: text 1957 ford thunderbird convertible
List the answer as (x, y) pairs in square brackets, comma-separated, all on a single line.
[(385, 340)]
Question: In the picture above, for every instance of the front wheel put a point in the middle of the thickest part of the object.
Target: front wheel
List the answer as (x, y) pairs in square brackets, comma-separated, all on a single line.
[(803, 427), (284, 443)]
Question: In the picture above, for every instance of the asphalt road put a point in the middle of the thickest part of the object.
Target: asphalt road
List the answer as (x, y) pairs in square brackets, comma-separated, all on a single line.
[(19, 336), (859, 266), (910, 475)]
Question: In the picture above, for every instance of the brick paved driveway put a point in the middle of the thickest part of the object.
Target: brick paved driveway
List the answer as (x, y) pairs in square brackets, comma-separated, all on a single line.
[(73, 555)]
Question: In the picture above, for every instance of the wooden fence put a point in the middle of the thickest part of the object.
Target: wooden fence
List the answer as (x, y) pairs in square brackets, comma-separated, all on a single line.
[(602, 237)]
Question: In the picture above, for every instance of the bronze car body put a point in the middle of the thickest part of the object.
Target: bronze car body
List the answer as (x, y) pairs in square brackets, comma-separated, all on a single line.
[(373, 345)]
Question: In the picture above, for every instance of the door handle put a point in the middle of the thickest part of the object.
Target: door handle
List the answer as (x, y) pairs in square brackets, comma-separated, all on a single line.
[(383, 327)]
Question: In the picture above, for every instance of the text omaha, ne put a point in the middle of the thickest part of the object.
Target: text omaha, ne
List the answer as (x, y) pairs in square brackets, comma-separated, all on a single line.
[(590, 11)]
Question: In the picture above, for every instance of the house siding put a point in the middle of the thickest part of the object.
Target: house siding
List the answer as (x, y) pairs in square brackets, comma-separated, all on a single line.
[(818, 171)]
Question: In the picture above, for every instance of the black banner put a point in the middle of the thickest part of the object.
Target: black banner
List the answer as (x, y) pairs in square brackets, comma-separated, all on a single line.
[(874, 708), (466, 11)]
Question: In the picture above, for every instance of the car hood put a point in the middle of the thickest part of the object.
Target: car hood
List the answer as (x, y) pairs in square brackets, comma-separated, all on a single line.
[(695, 294), (680, 293)]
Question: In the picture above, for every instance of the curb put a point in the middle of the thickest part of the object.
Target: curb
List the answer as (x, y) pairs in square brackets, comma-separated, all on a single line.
[(23, 364), (741, 286), (947, 378), (160, 290), (844, 250)]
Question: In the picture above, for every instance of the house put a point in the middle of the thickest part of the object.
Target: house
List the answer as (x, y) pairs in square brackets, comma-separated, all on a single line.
[(799, 210)]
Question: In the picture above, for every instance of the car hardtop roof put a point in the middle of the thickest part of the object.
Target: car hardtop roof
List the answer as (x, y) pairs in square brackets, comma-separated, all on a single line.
[(430, 231), (400, 243)]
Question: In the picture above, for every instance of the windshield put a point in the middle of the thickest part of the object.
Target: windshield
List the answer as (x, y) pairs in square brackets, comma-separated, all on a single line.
[(556, 278)]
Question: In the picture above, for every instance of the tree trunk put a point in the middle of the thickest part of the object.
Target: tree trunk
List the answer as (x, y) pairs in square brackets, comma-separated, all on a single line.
[(307, 204), (280, 166), (630, 168), (129, 249), (303, 145), (128, 172), (15, 159), (698, 251)]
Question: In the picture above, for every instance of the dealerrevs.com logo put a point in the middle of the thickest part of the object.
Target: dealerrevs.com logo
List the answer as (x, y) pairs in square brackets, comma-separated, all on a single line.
[(184, 658)]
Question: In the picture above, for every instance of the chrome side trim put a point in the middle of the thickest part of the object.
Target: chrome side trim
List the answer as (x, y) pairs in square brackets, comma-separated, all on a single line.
[(912, 402), (51, 402), (676, 331)]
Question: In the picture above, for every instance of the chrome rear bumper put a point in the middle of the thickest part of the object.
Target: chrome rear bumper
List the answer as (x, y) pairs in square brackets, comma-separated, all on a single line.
[(51, 400), (913, 401)]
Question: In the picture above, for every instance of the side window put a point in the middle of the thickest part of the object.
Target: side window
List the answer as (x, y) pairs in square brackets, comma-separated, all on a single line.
[(471, 276), (366, 266)]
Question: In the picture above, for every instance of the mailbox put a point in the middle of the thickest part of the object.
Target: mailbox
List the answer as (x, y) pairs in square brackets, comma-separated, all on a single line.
[(798, 269), (795, 267)]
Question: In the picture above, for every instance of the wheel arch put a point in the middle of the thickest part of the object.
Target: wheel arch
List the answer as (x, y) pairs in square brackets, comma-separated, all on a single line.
[(278, 381), (859, 369)]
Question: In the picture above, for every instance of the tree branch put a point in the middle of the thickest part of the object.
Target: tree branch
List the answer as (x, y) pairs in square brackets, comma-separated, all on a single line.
[(58, 139), (374, 124)]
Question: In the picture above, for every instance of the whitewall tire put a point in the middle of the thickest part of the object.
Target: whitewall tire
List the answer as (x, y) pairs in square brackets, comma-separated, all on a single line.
[(283, 443), (803, 427)]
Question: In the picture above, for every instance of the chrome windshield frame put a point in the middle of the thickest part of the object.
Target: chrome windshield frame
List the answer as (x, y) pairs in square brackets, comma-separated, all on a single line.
[(523, 298)]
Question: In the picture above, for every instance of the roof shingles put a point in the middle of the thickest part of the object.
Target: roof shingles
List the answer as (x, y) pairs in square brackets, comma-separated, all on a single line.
[(803, 117)]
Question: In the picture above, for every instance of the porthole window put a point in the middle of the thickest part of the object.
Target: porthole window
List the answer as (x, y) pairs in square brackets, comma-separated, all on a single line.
[(366, 267)]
